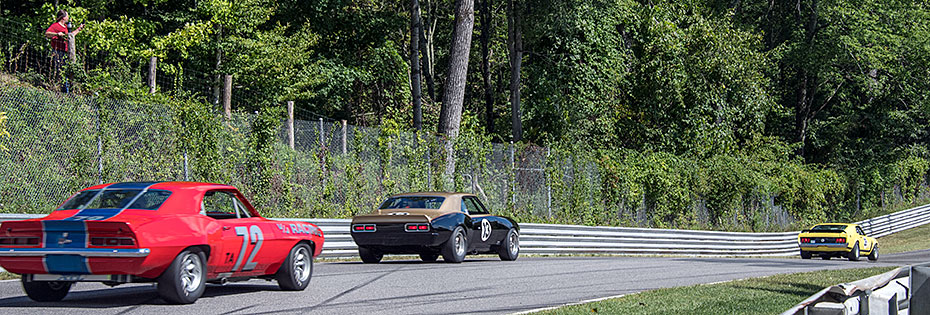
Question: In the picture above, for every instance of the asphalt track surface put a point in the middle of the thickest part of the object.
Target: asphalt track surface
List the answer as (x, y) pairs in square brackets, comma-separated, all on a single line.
[(477, 286)]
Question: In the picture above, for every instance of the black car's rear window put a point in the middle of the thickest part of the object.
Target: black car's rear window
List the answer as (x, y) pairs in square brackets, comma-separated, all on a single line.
[(413, 202), (829, 228), (117, 199)]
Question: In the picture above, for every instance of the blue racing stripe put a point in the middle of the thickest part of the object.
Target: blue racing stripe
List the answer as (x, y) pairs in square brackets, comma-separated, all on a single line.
[(65, 234), (94, 214), (66, 264), (131, 185)]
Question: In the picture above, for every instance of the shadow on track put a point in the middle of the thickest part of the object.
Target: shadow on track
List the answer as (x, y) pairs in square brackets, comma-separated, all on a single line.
[(128, 296)]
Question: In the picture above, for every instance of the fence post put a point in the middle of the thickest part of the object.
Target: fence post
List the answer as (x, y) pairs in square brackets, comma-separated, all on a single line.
[(152, 63), (344, 133), (72, 55), (321, 134), (227, 96), (290, 124), (548, 182), (513, 180)]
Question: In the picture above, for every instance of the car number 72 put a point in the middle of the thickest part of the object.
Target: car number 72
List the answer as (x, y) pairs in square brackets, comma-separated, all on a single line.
[(253, 233)]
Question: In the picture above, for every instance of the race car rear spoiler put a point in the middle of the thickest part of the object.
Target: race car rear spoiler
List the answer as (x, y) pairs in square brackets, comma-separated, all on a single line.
[(86, 252)]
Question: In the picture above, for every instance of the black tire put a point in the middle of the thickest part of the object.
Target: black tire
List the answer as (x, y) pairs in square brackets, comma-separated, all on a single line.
[(453, 250), (184, 280), (429, 257), (510, 246), (370, 256), (873, 256), (825, 256), (46, 291), (805, 255), (854, 253), (297, 269)]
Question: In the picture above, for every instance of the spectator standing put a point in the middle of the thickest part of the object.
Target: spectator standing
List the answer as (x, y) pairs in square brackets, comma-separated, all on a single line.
[(59, 33)]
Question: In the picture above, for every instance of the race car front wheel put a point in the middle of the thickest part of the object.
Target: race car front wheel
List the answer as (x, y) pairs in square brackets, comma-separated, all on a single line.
[(295, 272), (510, 247), (453, 250), (369, 256), (183, 281), (46, 291)]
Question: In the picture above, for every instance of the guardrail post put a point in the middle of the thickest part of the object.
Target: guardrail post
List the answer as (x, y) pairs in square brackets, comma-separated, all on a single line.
[(919, 290)]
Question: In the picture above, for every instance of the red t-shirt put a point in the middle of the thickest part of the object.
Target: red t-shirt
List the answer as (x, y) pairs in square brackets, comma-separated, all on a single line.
[(58, 42)]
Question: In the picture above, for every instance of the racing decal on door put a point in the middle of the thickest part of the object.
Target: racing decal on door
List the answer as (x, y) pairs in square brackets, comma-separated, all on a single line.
[(250, 235), (485, 230)]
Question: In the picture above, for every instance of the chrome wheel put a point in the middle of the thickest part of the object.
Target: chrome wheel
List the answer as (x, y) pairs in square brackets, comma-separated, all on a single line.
[(191, 273), (459, 244), (302, 265), (514, 243)]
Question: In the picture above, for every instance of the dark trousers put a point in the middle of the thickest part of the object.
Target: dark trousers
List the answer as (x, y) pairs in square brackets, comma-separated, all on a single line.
[(59, 60)]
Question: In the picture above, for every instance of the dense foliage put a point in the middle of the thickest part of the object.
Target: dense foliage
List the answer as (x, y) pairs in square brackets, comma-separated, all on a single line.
[(739, 114)]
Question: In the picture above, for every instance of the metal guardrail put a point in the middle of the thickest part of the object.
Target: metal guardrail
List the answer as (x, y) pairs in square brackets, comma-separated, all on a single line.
[(573, 239), (905, 290)]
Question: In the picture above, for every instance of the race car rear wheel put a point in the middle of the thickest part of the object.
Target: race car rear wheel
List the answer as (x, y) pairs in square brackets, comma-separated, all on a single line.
[(805, 255), (370, 256), (874, 254), (183, 281), (510, 246), (295, 272), (453, 250), (46, 291), (429, 257), (854, 253)]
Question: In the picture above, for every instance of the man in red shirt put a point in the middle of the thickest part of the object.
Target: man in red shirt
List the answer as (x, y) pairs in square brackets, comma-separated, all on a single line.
[(58, 32)]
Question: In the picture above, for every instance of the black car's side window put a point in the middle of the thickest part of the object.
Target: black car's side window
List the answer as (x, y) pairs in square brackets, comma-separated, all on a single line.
[(475, 206)]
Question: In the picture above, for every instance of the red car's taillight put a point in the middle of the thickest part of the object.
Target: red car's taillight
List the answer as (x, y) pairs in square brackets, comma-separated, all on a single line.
[(110, 234), (21, 233)]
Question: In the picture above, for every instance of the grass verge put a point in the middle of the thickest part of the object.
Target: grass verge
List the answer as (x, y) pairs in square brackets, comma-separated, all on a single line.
[(905, 241), (766, 295), (8, 276)]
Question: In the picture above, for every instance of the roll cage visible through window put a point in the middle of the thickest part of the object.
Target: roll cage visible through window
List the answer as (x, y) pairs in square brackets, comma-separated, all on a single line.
[(473, 205), (221, 205)]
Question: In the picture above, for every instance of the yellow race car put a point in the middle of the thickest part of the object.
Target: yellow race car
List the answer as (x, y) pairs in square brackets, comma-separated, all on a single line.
[(837, 240)]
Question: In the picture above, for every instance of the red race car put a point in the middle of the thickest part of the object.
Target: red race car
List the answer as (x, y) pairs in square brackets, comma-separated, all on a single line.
[(178, 234)]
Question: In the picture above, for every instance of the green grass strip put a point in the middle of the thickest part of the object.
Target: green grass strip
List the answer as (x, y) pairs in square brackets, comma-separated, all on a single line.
[(766, 295), (905, 241)]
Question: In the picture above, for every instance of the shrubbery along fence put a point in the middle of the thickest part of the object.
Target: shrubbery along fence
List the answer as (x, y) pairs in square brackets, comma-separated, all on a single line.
[(61, 143)]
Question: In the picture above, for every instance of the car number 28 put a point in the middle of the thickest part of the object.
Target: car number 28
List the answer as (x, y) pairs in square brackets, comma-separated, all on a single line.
[(253, 235)]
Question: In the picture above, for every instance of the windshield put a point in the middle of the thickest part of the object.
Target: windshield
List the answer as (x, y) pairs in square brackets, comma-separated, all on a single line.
[(413, 202), (117, 199), (829, 228)]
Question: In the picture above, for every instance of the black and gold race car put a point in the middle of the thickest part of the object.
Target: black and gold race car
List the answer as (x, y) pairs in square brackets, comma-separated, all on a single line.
[(432, 224)]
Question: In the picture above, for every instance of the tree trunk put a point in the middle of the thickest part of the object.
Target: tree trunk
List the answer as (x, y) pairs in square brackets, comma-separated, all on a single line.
[(415, 89), (453, 96), (515, 45), (426, 49), (219, 62), (486, 64), (802, 111)]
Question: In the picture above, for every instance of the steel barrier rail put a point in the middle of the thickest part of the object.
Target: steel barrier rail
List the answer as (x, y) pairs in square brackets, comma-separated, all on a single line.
[(904, 290), (554, 239)]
